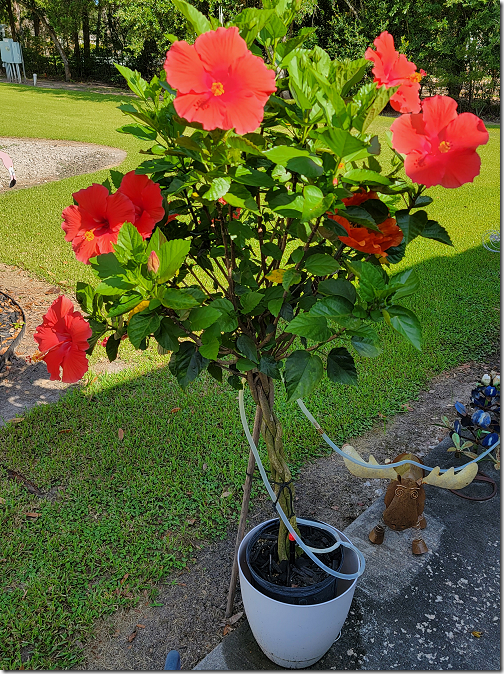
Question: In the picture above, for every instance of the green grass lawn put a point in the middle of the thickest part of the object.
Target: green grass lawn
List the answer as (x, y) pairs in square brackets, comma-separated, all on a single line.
[(141, 505)]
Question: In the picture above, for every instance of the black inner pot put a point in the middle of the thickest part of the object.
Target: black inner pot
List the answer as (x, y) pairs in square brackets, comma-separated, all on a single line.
[(297, 581), (12, 327)]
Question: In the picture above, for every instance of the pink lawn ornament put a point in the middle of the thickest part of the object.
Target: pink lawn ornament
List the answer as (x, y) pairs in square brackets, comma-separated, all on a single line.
[(7, 162)]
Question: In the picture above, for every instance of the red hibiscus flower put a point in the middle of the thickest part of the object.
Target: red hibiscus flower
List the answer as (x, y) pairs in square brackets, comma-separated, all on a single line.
[(391, 69), (146, 198), (219, 82), (93, 225), (440, 145), (62, 339), (359, 197), (367, 240)]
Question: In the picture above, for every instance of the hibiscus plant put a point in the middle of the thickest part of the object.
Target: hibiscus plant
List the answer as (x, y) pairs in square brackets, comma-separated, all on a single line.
[(257, 240)]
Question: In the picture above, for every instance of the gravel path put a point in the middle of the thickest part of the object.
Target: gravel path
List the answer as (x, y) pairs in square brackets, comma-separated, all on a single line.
[(37, 161)]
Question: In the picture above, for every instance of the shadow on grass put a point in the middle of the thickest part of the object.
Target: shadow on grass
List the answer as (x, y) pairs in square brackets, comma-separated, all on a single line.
[(75, 93)]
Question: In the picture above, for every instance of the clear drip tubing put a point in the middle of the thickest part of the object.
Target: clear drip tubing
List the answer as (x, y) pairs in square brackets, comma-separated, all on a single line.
[(387, 465), (309, 551)]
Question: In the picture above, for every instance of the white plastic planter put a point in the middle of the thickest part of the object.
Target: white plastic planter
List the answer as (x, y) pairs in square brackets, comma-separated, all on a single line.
[(296, 636)]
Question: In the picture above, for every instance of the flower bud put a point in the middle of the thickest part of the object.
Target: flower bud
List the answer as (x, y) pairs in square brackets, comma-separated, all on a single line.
[(485, 379), (153, 263)]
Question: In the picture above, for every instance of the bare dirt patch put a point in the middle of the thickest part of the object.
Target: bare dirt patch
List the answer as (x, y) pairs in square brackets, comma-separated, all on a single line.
[(190, 618), (37, 160)]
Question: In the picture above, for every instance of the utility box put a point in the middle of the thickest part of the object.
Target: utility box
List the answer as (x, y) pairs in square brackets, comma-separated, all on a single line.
[(10, 51)]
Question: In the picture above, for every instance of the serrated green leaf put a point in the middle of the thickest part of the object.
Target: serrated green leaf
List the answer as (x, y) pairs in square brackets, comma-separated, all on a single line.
[(365, 341), (321, 264), (244, 365), (310, 326), (107, 265), (406, 324), (333, 307), (171, 256), (341, 367), (247, 347), (196, 20), (113, 286), (203, 317), (186, 364), (269, 367), (250, 300), (433, 230), (84, 294), (363, 176), (179, 299), (332, 286), (218, 189), (303, 371), (141, 325), (139, 131), (239, 196)]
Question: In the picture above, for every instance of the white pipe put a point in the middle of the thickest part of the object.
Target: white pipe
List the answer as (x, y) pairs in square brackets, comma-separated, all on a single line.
[(309, 551)]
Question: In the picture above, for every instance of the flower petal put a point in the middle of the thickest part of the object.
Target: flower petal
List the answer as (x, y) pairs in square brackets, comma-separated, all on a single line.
[(74, 364), (53, 361), (424, 169), (467, 132), (93, 199), (120, 209), (203, 108), (254, 77), (408, 134), (438, 112), (407, 98), (219, 49), (460, 168), (244, 113), (184, 69)]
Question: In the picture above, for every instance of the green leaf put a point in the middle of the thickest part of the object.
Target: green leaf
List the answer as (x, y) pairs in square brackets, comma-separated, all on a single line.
[(406, 282), (244, 365), (84, 294), (240, 197), (112, 347), (187, 363), (272, 250), (396, 253), (210, 349), (116, 177), (171, 256), (167, 334), (315, 203), (113, 286), (341, 142), (285, 203), (179, 299), (252, 177), (334, 307), (155, 242), (274, 306), (363, 176), (422, 200), (269, 367), (310, 326), (250, 21), (249, 301), (366, 342), (296, 159), (196, 20), (246, 345), (141, 325), (214, 370), (291, 277), (244, 145), (333, 286), (303, 371), (139, 131), (228, 321), (218, 189), (98, 328), (321, 264), (359, 216), (433, 230), (203, 317), (411, 224), (135, 81), (405, 323), (235, 382), (130, 245), (106, 265), (371, 281), (341, 367)]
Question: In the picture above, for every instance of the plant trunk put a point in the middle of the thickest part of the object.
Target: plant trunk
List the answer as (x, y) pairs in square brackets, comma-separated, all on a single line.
[(77, 52), (263, 392)]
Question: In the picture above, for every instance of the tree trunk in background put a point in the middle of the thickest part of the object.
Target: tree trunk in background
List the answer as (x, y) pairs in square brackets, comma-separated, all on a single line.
[(36, 25), (85, 36), (77, 52), (8, 5), (98, 28)]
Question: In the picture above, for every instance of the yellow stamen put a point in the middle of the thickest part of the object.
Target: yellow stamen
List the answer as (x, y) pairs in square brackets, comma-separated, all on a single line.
[(89, 236), (444, 146), (217, 89), (415, 77)]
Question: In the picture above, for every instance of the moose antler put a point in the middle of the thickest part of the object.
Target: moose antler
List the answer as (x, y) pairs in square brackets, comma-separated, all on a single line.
[(447, 480)]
